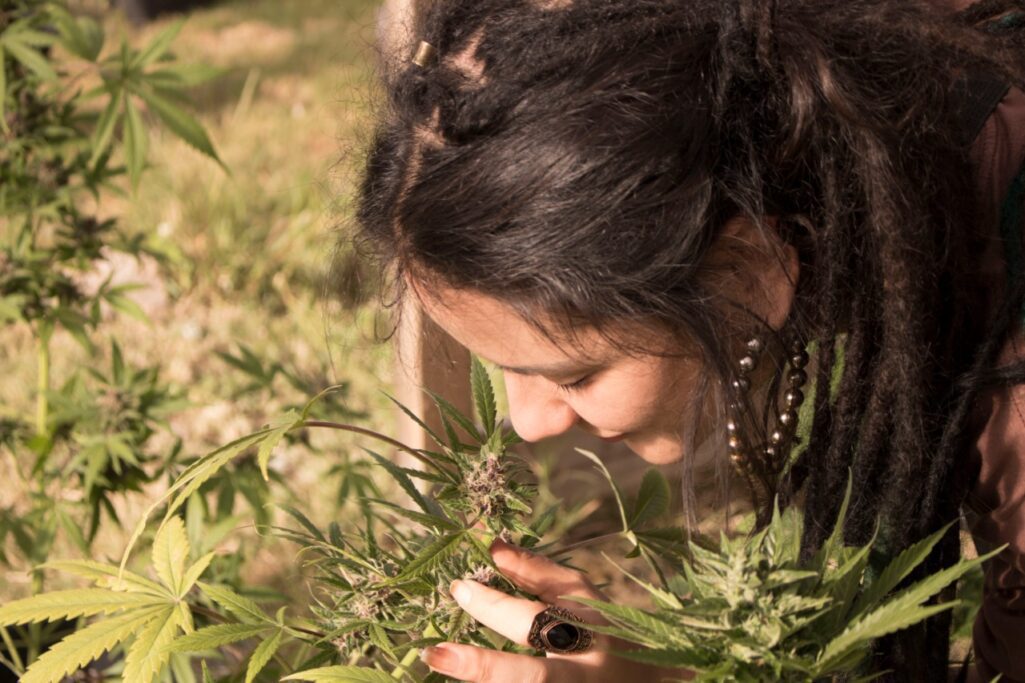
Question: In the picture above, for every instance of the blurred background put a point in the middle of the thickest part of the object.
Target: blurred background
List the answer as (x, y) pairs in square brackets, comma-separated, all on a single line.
[(245, 310)]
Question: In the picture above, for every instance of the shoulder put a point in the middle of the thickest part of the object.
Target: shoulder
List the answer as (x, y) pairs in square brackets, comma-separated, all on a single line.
[(998, 503), (999, 150), (997, 498)]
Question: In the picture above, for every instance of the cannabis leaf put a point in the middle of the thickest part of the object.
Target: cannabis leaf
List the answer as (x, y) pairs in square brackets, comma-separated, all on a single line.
[(218, 635), (144, 613), (652, 499), (752, 610), (87, 644), (903, 609), (262, 654), (342, 674), (484, 395)]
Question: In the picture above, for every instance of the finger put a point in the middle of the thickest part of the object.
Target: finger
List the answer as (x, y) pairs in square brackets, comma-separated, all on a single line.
[(504, 614), (541, 577), (477, 665)]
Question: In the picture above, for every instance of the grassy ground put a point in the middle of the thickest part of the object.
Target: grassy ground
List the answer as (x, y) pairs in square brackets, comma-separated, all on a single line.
[(253, 249)]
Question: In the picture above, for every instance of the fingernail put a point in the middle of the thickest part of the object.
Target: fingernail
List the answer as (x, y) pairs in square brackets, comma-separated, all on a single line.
[(441, 658), (499, 544), (461, 593)]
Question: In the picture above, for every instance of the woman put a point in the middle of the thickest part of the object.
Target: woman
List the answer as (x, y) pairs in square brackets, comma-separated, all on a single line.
[(652, 213)]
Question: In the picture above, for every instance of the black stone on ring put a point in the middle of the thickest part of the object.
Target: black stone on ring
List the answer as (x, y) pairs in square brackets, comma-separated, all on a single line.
[(552, 632)]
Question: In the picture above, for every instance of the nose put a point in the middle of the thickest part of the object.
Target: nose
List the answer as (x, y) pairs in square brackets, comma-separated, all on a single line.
[(536, 409)]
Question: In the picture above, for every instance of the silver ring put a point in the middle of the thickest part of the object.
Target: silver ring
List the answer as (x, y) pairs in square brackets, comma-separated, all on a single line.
[(551, 631)]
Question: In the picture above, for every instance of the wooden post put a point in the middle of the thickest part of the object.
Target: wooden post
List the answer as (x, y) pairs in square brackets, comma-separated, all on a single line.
[(428, 360)]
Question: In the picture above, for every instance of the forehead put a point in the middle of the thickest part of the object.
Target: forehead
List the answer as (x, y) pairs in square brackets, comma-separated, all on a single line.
[(495, 331)]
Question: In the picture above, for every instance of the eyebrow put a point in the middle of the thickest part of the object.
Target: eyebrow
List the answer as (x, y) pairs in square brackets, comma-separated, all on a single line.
[(555, 369)]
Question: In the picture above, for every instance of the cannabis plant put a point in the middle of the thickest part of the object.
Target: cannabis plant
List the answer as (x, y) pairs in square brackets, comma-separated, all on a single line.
[(382, 587), (73, 131), (88, 433), (751, 610)]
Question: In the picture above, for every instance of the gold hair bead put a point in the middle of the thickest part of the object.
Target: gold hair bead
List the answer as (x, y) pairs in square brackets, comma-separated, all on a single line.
[(425, 54)]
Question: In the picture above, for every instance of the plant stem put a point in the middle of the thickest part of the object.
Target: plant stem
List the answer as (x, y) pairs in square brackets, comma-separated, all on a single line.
[(43, 384), (412, 655), (217, 616), (585, 543), (404, 665), (15, 664), (220, 618), (34, 646), (381, 437)]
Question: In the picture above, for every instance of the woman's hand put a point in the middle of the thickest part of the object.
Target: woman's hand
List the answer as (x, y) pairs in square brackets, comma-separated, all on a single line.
[(512, 618)]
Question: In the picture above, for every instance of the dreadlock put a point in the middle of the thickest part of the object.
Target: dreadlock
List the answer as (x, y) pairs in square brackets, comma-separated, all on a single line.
[(577, 159)]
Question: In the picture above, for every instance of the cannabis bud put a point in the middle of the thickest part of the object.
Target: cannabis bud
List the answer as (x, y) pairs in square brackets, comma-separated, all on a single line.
[(485, 484)]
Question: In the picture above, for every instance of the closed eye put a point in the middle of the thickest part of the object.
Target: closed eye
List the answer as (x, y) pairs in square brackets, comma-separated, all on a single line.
[(577, 385)]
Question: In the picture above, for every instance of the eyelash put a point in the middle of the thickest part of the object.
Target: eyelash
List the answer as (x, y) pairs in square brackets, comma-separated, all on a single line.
[(575, 386)]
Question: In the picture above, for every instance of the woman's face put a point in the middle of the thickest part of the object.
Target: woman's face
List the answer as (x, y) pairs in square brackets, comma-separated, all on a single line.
[(647, 401), (654, 402)]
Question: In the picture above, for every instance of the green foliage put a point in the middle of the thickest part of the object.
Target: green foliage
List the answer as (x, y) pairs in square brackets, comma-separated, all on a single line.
[(341, 674), (90, 435), (652, 502), (747, 610), (751, 610), (149, 614), (383, 589)]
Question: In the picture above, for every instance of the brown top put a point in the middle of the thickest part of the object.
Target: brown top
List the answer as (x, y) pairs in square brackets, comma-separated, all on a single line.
[(998, 496)]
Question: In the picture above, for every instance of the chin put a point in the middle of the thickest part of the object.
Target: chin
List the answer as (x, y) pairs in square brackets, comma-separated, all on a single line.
[(657, 450)]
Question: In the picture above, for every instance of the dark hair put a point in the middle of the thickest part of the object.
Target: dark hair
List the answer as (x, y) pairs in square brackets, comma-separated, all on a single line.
[(577, 159)]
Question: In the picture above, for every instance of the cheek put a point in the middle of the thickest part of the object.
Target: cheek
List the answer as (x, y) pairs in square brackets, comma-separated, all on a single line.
[(651, 395), (618, 407)]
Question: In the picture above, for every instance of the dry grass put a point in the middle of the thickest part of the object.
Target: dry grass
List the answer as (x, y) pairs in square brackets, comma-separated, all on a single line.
[(252, 250)]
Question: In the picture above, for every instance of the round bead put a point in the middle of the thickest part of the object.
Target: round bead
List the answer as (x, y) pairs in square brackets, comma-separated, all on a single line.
[(771, 451), (793, 398), (731, 426), (797, 378), (788, 418), (737, 459), (747, 363), (755, 345), (741, 384), (734, 443), (799, 359), (777, 437)]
